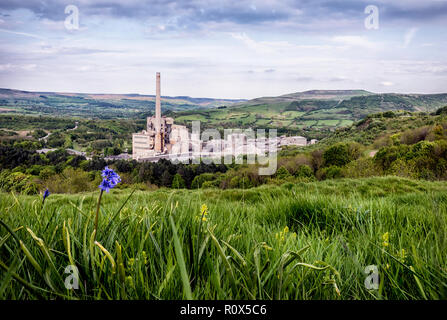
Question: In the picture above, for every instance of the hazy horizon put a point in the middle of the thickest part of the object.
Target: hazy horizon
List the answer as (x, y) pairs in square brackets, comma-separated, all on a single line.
[(206, 97)]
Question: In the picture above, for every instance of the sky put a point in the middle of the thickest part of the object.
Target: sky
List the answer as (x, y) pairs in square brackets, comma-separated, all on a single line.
[(223, 49)]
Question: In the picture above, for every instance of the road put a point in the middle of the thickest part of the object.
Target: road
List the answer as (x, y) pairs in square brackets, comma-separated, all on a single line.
[(50, 133)]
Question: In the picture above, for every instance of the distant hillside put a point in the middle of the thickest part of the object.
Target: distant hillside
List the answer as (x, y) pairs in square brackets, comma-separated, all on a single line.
[(382, 125), (309, 95), (103, 106), (311, 111)]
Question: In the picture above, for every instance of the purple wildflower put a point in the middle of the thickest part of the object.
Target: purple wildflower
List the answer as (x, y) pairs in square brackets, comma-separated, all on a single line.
[(107, 172), (110, 179), (46, 193), (105, 185)]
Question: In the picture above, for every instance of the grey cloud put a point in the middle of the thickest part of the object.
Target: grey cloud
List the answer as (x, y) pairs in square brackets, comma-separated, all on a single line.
[(305, 15), (194, 11), (424, 12)]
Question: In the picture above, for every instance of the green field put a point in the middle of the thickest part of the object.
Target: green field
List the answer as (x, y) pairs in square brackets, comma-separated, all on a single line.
[(302, 241), (315, 111), (102, 106)]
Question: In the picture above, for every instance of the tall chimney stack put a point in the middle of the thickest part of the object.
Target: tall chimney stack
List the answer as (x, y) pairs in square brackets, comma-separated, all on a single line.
[(158, 105), (158, 134)]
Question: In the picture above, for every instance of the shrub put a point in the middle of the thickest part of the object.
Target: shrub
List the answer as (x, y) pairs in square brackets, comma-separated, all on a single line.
[(282, 173), (304, 171), (200, 179), (46, 172), (34, 170), (442, 110), (337, 155), (72, 181), (415, 135), (292, 164), (240, 182), (387, 155), (210, 184), (422, 149), (332, 172), (362, 168), (178, 182), (18, 182), (402, 168), (317, 159), (166, 179)]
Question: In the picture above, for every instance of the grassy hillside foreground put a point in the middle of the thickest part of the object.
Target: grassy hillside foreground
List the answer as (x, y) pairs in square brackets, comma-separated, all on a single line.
[(297, 241)]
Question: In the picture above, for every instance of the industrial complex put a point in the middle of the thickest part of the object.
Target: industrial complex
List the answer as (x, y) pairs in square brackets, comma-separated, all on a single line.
[(164, 139)]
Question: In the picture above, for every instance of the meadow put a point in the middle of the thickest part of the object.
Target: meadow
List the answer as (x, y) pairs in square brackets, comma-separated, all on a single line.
[(295, 241)]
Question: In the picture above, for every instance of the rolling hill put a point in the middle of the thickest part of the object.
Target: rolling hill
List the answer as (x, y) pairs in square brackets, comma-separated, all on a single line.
[(311, 110), (104, 106), (308, 112)]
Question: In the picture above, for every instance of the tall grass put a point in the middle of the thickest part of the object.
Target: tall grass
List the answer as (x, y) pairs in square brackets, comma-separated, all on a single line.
[(155, 245)]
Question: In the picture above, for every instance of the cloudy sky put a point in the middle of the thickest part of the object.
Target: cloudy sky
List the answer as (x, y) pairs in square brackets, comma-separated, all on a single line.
[(223, 48)]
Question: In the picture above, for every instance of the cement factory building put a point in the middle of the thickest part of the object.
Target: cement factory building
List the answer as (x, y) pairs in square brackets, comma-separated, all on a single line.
[(163, 138), (161, 133)]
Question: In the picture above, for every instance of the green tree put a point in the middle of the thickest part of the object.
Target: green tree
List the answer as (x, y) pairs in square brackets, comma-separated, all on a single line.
[(166, 179), (200, 179), (304, 171), (282, 173), (337, 155), (178, 182)]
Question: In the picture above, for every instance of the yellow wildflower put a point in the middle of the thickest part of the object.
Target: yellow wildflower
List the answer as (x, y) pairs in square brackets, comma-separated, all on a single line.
[(203, 213), (204, 210), (129, 281), (281, 236), (403, 255), (386, 239)]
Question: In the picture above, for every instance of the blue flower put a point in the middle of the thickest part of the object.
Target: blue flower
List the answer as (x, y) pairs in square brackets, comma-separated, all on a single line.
[(107, 172), (46, 194), (110, 179), (105, 185)]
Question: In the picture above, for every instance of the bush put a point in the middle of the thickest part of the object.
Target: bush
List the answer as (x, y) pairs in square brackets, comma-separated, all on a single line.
[(282, 173), (18, 182), (240, 182), (401, 168), (211, 184), (178, 182), (46, 172), (34, 170), (200, 179), (332, 172), (415, 135), (442, 110), (387, 155), (38, 133), (337, 155), (304, 171), (73, 181), (362, 168)]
